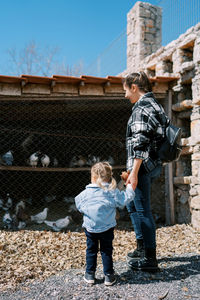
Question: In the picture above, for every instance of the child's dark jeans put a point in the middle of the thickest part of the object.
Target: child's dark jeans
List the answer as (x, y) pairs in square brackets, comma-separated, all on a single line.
[(105, 240)]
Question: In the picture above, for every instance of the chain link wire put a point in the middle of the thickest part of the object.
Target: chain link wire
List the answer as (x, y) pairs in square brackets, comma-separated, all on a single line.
[(47, 149)]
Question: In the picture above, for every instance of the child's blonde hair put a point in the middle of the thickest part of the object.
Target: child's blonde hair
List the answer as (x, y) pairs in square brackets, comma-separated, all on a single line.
[(103, 173)]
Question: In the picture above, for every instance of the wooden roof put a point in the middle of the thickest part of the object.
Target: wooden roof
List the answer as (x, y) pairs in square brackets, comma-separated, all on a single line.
[(74, 80)]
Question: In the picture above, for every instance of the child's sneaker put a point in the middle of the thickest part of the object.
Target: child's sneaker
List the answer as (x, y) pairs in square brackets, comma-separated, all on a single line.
[(89, 278), (110, 279)]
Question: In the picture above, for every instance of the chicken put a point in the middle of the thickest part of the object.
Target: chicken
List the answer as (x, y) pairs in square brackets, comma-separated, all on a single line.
[(59, 224), (40, 217)]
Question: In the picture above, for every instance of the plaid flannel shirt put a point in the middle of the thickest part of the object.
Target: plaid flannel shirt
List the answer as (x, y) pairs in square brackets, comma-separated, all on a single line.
[(145, 130)]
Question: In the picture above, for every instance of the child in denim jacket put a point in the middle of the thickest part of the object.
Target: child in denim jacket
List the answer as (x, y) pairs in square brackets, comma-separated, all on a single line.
[(98, 204)]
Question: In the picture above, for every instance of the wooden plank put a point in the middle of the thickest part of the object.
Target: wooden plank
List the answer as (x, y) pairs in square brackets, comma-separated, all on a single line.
[(170, 171), (182, 180), (11, 89), (169, 188), (171, 194), (41, 169)]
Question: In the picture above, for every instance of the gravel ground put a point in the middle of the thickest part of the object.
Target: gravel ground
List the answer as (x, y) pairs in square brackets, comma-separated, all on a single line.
[(178, 279), (49, 265)]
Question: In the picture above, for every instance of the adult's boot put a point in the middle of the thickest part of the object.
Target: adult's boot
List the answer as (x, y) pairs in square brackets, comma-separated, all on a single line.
[(148, 263), (138, 253)]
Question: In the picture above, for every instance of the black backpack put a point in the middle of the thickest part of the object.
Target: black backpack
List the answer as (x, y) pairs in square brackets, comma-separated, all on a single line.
[(170, 148)]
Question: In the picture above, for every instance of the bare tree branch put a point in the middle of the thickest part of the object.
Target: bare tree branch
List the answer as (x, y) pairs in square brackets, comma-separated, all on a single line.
[(32, 60)]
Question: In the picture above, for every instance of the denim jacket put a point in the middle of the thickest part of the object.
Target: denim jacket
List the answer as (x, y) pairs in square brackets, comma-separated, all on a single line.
[(98, 206)]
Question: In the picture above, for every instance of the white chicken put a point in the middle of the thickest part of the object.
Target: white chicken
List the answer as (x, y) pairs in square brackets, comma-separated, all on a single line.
[(40, 217), (59, 224)]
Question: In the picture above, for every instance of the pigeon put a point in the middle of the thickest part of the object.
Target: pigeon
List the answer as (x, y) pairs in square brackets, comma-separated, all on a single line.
[(73, 162), (45, 160), (72, 208), (49, 198), (21, 225), (8, 203), (8, 158), (92, 159), (59, 224), (78, 161), (1, 203), (68, 199), (111, 160), (34, 158), (20, 212), (40, 217), (7, 221), (55, 162)]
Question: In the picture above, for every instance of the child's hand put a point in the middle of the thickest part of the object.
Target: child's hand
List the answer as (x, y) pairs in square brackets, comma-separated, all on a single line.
[(124, 175)]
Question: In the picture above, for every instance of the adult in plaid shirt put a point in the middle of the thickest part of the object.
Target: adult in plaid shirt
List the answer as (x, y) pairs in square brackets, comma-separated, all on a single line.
[(145, 129)]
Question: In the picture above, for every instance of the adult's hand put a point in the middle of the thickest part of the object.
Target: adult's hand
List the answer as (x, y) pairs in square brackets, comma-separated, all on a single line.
[(133, 180), (133, 177)]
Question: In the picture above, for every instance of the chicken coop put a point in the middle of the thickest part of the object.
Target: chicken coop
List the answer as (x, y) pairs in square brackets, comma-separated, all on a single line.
[(52, 131)]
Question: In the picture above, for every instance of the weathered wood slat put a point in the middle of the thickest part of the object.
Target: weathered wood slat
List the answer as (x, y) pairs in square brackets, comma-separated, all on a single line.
[(41, 169), (182, 180)]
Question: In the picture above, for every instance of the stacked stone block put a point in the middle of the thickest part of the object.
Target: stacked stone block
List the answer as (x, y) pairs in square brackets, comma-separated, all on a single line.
[(181, 59), (143, 33)]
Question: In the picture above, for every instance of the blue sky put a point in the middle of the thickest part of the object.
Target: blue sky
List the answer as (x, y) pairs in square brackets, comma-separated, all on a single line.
[(82, 29)]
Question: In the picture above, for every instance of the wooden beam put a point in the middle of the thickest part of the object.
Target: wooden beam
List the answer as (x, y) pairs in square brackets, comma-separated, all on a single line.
[(169, 184), (182, 180), (41, 169)]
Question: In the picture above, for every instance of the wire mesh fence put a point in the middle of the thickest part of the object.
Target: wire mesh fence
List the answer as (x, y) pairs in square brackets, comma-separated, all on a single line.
[(46, 152)]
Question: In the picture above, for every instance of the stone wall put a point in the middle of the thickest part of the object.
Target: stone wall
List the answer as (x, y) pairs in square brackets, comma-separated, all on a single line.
[(179, 59), (143, 33)]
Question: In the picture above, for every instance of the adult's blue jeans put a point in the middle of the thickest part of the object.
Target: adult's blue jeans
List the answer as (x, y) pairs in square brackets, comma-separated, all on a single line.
[(105, 240), (140, 208)]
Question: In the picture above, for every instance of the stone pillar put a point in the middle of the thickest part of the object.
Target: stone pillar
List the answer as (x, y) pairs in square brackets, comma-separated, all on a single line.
[(195, 141), (143, 33)]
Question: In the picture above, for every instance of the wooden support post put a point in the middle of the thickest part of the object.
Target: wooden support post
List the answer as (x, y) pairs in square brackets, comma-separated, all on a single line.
[(169, 186)]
